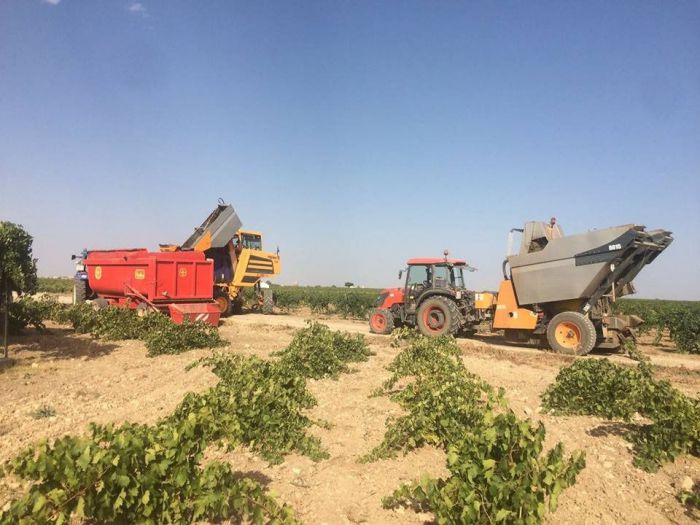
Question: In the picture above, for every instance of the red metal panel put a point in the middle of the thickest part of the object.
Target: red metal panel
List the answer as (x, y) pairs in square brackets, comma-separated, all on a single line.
[(165, 282), (434, 260), (205, 312), (159, 276), (204, 275), (393, 296)]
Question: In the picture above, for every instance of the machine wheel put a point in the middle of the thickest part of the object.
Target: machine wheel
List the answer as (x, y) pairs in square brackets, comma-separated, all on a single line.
[(438, 316), (80, 291), (571, 333), (223, 303), (268, 301), (381, 321), (237, 306)]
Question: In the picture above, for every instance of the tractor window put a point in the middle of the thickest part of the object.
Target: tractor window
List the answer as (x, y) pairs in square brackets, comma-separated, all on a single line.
[(253, 242), (418, 274), (442, 277), (457, 277)]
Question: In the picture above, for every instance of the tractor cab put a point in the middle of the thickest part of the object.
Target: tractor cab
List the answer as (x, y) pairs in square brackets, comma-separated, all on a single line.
[(248, 239), (427, 276)]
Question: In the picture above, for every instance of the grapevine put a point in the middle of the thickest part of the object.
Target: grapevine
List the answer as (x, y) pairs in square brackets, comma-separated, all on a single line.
[(150, 474), (680, 319), (601, 388), (498, 472)]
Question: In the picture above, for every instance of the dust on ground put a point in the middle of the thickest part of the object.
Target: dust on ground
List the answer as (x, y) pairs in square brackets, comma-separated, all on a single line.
[(83, 381)]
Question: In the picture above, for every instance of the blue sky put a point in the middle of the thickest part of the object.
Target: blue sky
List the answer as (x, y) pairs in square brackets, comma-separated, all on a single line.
[(353, 134)]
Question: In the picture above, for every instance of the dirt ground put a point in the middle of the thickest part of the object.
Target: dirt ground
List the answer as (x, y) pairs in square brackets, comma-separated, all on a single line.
[(84, 380)]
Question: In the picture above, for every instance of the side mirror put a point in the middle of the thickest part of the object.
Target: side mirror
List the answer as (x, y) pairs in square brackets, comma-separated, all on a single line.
[(400, 273)]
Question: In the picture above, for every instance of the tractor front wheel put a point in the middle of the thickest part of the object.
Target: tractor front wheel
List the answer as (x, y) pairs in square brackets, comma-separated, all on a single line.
[(571, 333), (438, 316), (381, 321)]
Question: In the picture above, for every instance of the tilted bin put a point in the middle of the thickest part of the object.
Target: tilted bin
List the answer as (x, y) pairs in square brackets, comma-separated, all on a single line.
[(583, 266)]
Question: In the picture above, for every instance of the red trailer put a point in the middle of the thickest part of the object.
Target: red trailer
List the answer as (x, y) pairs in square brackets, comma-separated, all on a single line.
[(179, 283)]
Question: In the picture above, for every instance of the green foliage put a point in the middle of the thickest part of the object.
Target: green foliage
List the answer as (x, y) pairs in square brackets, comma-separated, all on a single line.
[(160, 334), (263, 402), (596, 387), (680, 318), (54, 285), (17, 265), (156, 473), (136, 474), (347, 302), (684, 328), (318, 352), (25, 311), (498, 472), (601, 388), (114, 324), (630, 348), (257, 402), (691, 499), (17, 274)]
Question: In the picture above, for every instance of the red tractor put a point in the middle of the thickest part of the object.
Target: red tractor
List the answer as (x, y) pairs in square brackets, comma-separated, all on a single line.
[(434, 298)]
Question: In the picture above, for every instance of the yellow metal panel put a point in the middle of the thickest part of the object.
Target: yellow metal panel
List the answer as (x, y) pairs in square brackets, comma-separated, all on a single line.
[(246, 269), (204, 243), (249, 232), (484, 300)]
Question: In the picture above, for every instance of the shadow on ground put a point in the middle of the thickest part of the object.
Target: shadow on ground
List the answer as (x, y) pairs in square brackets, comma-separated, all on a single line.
[(612, 428), (56, 343), (255, 475)]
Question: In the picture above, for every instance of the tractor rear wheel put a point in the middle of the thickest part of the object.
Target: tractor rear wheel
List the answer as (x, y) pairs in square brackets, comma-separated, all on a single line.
[(268, 303), (571, 333), (438, 316), (381, 321), (80, 291)]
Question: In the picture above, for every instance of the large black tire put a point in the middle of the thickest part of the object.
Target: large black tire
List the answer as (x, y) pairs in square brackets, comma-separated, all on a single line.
[(268, 301), (237, 306), (571, 333), (80, 291), (381, 321), (438, 316)]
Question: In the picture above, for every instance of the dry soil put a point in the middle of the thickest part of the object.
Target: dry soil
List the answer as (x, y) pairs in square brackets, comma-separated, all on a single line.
[(84, 380)]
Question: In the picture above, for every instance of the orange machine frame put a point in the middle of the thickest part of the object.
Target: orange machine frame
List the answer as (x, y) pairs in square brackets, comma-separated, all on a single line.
[(508, 314)]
